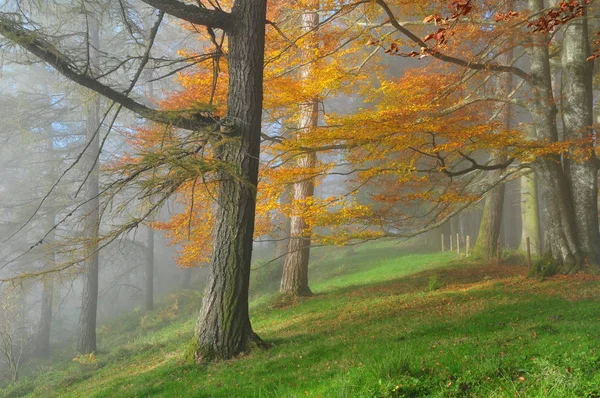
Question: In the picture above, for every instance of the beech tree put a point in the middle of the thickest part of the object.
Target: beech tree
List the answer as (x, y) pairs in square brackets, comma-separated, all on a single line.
[(569, 208)]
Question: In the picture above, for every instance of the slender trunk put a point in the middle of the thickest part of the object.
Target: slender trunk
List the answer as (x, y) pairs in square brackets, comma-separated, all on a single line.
[(42, 344), (577, 112), (187, 278), (224, 328), (281, 248), (149, 290), (559, 226), (294, 280), (486, 245), (86, 342)]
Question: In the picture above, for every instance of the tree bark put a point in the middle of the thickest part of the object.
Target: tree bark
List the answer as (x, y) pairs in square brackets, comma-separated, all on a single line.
[(577, 113), (294, 280), (559, 226), (86, 342), (224, 328)]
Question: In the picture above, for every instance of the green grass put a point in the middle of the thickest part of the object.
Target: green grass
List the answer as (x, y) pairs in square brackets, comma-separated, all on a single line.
[(375, 328)]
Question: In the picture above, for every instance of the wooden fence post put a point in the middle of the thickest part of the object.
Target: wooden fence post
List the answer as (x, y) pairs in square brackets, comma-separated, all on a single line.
[(458, 243)]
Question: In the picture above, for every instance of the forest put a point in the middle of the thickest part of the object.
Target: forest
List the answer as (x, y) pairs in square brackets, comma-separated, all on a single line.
[(324, 198)]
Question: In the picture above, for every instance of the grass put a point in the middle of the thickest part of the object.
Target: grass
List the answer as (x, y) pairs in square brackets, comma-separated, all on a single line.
[(376, 327)]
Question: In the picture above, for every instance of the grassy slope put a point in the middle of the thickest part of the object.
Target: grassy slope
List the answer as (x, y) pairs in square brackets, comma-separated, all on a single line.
[(373, 329)]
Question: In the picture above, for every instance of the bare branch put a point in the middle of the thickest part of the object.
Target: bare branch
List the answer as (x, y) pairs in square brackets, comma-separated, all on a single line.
[(44, 50)]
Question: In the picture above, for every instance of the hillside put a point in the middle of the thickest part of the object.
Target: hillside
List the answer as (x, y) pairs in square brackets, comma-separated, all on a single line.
[(383, 323)]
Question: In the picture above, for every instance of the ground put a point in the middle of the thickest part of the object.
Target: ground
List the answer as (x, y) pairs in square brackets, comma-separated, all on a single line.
[(383, 323)]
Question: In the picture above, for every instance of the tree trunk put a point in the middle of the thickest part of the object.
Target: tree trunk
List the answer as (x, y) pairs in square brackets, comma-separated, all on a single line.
[(149, 254), (86, 342), (486, 245), (224, 328), (491, 219), (559, 226), (281, 248), (42, 344), (577, 112), (149, 289), (294, 280), (187, 278), (529, 215)]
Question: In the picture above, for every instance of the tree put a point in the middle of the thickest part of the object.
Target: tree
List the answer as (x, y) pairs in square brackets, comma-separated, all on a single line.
[(224, 328), (294, 280), (86, 339), (566, 229)]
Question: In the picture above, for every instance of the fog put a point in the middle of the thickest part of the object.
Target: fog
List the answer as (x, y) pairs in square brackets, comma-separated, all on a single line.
[(116, 152)]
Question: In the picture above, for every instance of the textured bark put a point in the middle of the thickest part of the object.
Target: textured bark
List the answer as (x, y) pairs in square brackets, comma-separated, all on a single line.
[(86, 342), (149, 260), (559, 225), (491, 219), (294, 280), (577, 113), (529, 215), (224, 328)]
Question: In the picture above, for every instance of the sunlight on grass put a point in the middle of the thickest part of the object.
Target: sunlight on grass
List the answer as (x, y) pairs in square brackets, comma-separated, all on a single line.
[(375, 328)]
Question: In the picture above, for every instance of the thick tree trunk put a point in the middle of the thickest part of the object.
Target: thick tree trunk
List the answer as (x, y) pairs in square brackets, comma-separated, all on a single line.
[(491, 219), (577, 112), (529, 215), (559, 225), (224, 328), (294, 280), (86, 342), (149, 289)]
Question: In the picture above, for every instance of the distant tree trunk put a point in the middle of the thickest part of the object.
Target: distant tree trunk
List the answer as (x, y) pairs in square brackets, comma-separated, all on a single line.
[(529, 215), (281, 248), (86, 342), (149, 255), (224, 328), (559, 225), (577, 113), (295, 269), (149, 290), (187, 278), (42, 343)]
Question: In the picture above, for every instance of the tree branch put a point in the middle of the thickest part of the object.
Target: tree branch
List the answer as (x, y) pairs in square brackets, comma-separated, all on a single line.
[(34, 43), (446, 58), (216, 19)]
